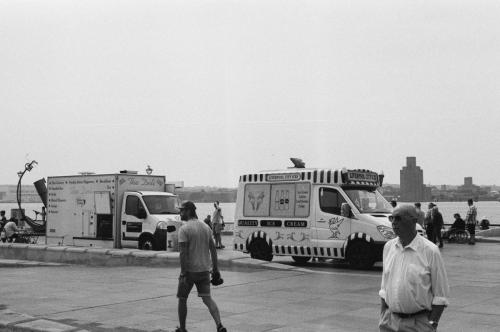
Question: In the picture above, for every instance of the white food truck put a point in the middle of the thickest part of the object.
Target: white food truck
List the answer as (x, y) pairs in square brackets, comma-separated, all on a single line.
[(110, 210), (305, 212)]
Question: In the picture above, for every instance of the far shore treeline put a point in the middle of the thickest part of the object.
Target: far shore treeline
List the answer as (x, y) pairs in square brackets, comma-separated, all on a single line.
[(207, 194)]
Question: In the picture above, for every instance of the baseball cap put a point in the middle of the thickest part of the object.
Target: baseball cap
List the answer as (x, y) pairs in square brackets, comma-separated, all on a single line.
[(188, 205)]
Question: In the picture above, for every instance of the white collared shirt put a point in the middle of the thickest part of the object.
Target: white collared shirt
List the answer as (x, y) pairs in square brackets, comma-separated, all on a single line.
[(414, 277)]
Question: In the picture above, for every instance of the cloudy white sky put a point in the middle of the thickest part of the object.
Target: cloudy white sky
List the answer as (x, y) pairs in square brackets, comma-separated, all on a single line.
[(206, 90)]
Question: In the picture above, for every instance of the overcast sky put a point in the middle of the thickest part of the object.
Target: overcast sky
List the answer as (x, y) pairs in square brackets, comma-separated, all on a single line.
[(204, 91)]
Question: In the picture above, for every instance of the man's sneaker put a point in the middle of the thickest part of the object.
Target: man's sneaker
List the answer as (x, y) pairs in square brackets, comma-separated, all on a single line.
[(180, 330), (221, 328)]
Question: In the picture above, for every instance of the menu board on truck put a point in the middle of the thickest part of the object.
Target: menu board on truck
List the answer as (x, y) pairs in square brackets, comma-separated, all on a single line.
[(277, 200), (71, 207)]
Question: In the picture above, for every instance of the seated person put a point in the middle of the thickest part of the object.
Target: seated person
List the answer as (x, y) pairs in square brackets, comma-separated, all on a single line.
[(208, 221), (484, 224), (459, 224), (11, 230)]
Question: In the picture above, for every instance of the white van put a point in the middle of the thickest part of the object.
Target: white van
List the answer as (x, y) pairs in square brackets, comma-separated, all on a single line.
[(304, 213), (110, 210)]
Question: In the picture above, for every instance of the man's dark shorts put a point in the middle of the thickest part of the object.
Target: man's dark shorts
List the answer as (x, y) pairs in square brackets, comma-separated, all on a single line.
[(200, 279)]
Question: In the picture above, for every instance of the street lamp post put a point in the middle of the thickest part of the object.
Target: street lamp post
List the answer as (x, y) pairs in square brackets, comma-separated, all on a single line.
[(27, 168)]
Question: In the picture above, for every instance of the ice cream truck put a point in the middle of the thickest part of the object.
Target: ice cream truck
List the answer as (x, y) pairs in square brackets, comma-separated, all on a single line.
[(307, 212), (110, 210)]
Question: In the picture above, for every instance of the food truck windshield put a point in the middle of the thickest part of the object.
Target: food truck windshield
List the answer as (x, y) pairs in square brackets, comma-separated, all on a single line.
[(160, 204), (368, 200)]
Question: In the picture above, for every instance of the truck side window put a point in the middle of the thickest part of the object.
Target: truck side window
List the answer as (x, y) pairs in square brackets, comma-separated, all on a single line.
[(133, 205), (330, 200)]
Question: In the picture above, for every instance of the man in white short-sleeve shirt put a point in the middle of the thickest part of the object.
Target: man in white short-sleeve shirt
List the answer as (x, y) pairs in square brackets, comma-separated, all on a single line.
[(414, 289)]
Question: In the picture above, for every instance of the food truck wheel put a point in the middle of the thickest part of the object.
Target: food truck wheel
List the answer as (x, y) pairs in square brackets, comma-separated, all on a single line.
[(260, 249), (359, 255), (301, 259), (146, 243)]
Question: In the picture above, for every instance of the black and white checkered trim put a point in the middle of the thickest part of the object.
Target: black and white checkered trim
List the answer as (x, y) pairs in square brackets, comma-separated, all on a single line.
[(316, 176), (358, 235), (322, 176), (309, 251), (260, 235), (287, 250)]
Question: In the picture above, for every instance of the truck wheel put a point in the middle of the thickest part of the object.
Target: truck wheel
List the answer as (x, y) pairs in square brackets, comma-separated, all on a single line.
[(260, 249), (146, 243), (301, 259), (359, 255)]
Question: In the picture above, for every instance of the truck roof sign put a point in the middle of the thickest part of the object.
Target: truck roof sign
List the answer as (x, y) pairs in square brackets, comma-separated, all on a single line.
[(283, 177), (362, 177)]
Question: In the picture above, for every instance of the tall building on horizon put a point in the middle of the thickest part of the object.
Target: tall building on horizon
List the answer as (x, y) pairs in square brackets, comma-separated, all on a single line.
[(412, 188)]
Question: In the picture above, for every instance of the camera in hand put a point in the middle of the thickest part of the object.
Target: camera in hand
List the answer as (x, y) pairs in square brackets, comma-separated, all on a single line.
[(216, 279)]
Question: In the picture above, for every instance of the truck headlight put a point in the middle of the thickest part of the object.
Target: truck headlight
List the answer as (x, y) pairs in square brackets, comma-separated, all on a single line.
[(386, 232)]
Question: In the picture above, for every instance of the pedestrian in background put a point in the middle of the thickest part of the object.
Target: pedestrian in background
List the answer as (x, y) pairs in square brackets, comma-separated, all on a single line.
[(208, 221), (11, 230), (420, 213), (217, 222), (3, 221), (471, 221), (43, 214), (428, 221), (197, 257), (437, 225), (414, 289), (458, 225), (484, 223), (394, 203)]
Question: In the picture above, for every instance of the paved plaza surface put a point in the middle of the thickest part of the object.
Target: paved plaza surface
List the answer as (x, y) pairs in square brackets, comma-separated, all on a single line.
[(322, 296)]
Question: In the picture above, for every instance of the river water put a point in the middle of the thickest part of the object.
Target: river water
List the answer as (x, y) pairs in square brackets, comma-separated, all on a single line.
[(489, 209)]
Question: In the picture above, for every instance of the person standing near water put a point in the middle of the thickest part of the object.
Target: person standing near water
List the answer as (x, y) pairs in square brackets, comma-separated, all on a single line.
[(217, 222), (471, 221)]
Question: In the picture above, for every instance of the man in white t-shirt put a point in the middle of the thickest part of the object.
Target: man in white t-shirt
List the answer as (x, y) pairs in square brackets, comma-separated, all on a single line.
[(198, 256)]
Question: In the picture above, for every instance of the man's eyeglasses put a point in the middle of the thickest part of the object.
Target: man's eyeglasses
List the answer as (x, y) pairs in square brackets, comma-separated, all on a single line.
[(394, 218), (399, 218)]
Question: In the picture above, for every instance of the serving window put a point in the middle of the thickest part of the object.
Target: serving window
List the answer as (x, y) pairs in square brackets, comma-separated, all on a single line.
[(277, 200)]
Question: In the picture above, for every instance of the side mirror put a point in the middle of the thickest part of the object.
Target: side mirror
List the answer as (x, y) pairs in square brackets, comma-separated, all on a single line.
[(141, 214), (345, 210)]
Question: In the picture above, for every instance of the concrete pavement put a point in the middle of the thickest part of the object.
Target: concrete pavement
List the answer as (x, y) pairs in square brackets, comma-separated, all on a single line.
[(256, 296)]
